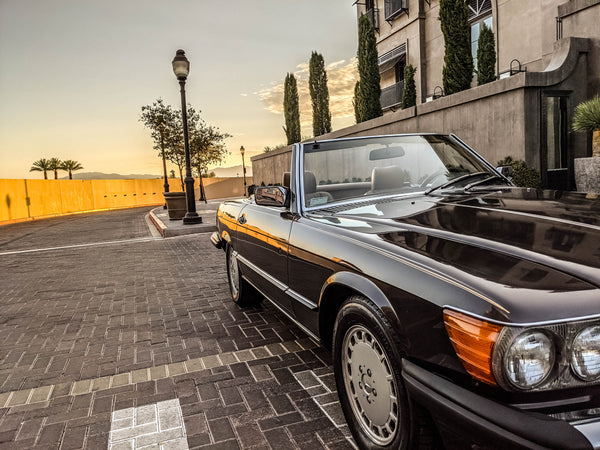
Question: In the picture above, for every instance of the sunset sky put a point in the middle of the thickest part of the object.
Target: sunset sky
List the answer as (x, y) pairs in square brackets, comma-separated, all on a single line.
[(75, 73)]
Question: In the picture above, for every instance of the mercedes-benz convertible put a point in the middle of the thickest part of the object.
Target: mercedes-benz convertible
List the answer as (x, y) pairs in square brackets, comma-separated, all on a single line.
[(461, 311)]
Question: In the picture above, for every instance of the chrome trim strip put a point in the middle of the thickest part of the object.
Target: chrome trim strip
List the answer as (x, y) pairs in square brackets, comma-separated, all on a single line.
[(303, 300), (278, 284), (553, 404), (262, 273), (591, 431), (521, 324), (287, 314)]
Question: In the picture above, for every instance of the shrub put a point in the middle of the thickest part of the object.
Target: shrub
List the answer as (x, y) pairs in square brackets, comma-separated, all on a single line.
[(522, 174)]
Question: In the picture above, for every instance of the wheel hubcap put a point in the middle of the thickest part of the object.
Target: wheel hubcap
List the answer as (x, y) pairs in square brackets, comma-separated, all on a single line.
[(370, 385), (234, 276)]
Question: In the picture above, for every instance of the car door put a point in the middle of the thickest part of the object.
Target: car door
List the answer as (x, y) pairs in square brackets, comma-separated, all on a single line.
[(263, 245)]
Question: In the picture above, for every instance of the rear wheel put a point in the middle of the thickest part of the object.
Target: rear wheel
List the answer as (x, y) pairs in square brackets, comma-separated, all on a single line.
[(241, 291), (368, 377)]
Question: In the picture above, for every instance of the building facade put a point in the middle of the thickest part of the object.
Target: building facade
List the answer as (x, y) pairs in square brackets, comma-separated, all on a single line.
[(529, 36)]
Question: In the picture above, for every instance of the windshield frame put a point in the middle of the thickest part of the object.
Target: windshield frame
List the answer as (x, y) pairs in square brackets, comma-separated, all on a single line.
[(298, 158)]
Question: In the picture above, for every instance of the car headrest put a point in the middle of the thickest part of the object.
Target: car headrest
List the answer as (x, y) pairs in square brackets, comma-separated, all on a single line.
[(383, 178), (310, 182)]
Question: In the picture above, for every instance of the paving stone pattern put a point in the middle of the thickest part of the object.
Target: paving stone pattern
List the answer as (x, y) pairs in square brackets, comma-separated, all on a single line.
[(90, 331)]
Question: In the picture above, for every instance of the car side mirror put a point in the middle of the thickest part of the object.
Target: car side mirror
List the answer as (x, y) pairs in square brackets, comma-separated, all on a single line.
[(277, 196)]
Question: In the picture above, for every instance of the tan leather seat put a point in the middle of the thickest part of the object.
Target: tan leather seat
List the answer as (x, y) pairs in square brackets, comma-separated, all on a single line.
[(386, 179)]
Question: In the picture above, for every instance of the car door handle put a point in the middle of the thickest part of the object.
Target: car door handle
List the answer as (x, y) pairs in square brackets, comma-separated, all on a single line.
[(242, 219)]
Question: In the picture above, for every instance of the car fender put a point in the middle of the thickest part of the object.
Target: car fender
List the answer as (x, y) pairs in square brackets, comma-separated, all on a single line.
[(354, 283)]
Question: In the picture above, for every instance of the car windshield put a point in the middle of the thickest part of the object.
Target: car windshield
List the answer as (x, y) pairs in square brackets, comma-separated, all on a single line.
[(388, 165)]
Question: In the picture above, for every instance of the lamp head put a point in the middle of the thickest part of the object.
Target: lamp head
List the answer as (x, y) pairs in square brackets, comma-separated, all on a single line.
[(181, 65), (242, 150)]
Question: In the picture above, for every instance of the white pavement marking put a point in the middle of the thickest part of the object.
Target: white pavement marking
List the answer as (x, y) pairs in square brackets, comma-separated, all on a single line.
[(158, 426), (91, 244)]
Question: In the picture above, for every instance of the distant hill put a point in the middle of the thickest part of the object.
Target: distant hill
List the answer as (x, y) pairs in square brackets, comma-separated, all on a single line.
[(233, 171), (109, 176), (224, 172)]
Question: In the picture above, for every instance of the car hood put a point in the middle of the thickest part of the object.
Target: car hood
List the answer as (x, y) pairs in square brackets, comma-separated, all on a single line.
[(524, 245)]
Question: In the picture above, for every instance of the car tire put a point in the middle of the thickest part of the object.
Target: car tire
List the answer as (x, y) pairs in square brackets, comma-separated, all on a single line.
[(241, 291), (368, 377)]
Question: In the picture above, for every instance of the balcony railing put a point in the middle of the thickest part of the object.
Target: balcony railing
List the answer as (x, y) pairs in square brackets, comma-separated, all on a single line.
[(392, 95), (373, 15), (394, 7)]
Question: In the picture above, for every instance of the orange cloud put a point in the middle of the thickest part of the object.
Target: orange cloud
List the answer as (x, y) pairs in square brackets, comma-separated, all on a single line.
[(341, 78)]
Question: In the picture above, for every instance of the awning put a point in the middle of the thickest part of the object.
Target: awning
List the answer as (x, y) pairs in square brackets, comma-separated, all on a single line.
[(388, 60)]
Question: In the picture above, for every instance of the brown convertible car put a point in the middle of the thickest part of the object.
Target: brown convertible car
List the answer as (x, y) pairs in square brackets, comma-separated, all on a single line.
[(461, 311)]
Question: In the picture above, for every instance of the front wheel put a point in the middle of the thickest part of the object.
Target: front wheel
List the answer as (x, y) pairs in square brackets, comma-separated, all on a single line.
[(241, 291), (368, 377)]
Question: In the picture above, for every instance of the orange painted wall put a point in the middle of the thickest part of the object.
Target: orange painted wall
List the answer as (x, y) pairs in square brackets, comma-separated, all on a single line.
[(33, 199)]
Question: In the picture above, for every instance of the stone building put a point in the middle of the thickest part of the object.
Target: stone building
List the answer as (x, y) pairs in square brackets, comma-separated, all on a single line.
[(548, 61), (533, 37)]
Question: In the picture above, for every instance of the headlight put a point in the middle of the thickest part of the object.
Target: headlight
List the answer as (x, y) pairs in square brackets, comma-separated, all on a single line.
[(585, 354), (529, 359)]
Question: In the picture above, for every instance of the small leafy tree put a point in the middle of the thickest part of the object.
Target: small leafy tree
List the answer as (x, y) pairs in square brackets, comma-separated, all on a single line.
[(41, 165), (70, 166), (587, 118), (409, 97), (457, 73), (55, 165), (161, 119), (486, 56), (319, 94), (367, 93), (291, 109)]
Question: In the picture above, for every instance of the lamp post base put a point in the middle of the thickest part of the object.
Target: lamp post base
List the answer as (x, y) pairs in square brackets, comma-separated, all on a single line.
[(192, 218)]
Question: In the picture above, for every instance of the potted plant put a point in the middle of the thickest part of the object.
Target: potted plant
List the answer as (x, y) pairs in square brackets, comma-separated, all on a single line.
[(176, 204), (587, 170)]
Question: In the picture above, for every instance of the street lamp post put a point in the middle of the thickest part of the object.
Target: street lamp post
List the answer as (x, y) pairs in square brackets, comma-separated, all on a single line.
[(181, 68), (242, 151), (164, 161)]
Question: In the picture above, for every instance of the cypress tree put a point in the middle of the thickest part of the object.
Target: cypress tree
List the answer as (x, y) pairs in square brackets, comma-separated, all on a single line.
[(409, 98), (319, 94), (291, 109), (357, 102), (486, 56), (369, 89), (458, 61)]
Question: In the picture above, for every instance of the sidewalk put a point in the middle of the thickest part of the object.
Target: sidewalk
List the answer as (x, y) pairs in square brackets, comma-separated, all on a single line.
[(169, 228)]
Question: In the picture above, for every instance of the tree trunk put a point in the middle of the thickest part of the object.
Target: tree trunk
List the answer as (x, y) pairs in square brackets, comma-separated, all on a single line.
[(70, 175), (596, 143), (45, 175)]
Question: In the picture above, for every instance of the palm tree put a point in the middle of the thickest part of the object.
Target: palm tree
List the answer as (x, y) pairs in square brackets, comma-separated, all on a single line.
[(587, 118), (69, 165), (41, 165), (56, 165)]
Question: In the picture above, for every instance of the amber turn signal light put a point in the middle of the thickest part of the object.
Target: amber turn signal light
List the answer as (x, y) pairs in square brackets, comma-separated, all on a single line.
[(473, 340)]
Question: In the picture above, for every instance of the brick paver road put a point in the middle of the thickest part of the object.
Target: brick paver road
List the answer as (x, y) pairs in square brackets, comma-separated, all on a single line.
[(110, 338)]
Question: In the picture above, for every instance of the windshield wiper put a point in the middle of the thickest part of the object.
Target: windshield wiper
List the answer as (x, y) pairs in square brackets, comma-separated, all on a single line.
[(485, 180), (455, 180)]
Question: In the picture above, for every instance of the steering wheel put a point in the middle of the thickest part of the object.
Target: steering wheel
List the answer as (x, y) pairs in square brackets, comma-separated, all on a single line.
[(430, 178)]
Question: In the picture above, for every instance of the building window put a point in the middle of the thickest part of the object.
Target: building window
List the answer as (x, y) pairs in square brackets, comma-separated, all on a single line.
[(480, 12), (392, 8)]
